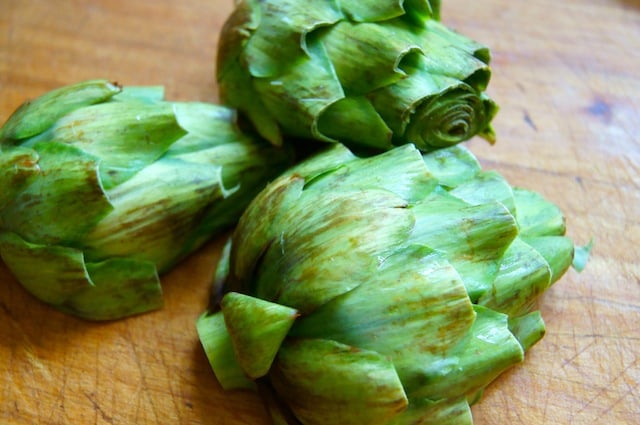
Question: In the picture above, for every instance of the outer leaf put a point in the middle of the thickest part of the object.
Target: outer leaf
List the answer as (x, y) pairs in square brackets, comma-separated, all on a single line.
[(59, 275), (154, 212), (355, 227), (114, 131), (484, 187), (257, 230), (36, 116), (558, 251), (473, 238), (19, 168), (536, 215), (372, 10), (528, 329), (306, 373), (448, 53), (524, 275), (235, 79), (218, 347), (441, 412), (452, 166), (50, 272), (257, 329), (400, 171), (381, 46), (414, 307), (121, 287), (67, 188), (489, 350), (355, 119), (146, 94), (274, 41), (298, 98)]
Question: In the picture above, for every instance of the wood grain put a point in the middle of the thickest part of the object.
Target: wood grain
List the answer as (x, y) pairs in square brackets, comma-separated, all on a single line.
[(566, 75)]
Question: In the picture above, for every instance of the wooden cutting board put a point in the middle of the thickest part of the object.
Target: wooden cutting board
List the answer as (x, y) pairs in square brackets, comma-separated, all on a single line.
[(567, 76)]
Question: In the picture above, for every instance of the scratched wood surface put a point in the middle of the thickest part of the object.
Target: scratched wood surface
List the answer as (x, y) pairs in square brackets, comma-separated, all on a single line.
[(567, 77)]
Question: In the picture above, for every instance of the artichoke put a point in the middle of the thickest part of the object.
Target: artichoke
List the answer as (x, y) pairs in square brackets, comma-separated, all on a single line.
[(373, 73), (102, 189), (383, 290)]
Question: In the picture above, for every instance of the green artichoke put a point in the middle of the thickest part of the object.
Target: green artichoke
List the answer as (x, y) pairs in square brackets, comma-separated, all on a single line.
[(102, 189), (371, 73), (388, 290)]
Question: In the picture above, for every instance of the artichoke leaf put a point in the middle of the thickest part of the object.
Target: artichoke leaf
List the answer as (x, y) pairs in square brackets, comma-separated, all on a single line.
[(331, 248), (528, 328), (300, 96), (486, 186), (447, 53), (207, 122), (372, 10), (452, 166), (19, 169), (488, 350), (217, 345), (421, 10), (558, 252), (491, 109), (537, 216), (524, 275), (35, 116), (121, 287), (60, 276), (379, 11), (235, 79), (50, 272), (329, 159), (235, 33), (258, 229), (354, 119), (236, 87), (272, 41), (64, 201), (422, 411), (472, 237), (381, 45), (173, 191), (221, 277), (257, 329), (113, 130), (145, 94), (400, 171), (413, 308), (306, 372)]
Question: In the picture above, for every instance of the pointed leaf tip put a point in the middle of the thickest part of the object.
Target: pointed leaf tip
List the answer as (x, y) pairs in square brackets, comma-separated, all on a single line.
[(257, 329)]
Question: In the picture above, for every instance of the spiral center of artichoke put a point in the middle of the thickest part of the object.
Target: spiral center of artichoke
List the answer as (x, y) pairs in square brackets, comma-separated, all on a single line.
[(446, 120)]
